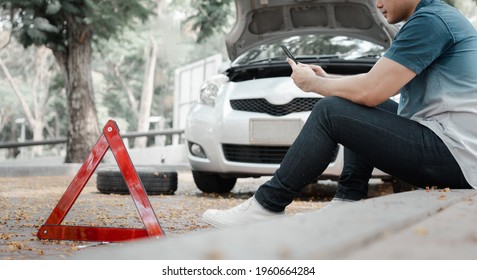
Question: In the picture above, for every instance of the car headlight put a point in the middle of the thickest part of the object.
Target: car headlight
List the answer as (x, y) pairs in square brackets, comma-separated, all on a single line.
[(210, 89)]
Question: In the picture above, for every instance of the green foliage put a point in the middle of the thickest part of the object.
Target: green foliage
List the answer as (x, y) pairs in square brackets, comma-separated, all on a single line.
[(47, 22), (211, 17)]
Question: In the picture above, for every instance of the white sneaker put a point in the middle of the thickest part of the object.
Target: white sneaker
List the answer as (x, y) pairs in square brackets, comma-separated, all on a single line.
[(245, 213), (337, 202)]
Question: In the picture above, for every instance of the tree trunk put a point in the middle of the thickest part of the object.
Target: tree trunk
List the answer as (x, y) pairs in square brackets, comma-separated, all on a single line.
[(127, 88), (5, 115), (83, 130), (40, 94), (147, 93)]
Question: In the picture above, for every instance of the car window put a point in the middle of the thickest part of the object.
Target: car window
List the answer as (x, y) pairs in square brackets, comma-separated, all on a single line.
[(312, 46)]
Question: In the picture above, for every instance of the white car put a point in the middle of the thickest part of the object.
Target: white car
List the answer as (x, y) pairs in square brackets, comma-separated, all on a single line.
[(248, 116)]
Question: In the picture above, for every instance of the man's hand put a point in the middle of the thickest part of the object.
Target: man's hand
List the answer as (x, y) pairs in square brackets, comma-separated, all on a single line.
[(305, 75), (319, 71)]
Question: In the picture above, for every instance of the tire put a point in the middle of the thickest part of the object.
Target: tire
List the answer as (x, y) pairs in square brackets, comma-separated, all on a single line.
[(154, 180), (213, 182)]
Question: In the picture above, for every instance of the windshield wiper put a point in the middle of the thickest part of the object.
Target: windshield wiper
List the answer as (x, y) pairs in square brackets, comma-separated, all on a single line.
[(327, 56), (302, 58), (366, 56), (271, 59)]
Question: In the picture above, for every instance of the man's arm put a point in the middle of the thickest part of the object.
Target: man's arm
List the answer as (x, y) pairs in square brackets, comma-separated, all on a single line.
[(384, 80)]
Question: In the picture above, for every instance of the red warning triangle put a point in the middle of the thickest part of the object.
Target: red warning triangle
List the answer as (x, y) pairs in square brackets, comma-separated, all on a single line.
[(110, 139)]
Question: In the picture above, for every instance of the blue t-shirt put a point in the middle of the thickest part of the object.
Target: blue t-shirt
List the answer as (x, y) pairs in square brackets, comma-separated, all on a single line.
[(440, 45)]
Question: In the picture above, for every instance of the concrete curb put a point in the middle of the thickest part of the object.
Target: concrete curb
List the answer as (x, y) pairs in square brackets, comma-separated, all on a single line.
[(343, 232), (40, 170)]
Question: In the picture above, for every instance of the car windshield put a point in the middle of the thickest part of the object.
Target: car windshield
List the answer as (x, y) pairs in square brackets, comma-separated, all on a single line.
[(311, 47)]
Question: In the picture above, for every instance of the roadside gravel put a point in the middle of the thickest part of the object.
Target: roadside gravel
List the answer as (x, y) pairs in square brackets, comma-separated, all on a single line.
[(26, 202)]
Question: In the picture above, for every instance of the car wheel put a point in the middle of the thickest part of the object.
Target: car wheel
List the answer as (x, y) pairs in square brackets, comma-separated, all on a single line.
[(213, 182), (401, 186), (154, 180)]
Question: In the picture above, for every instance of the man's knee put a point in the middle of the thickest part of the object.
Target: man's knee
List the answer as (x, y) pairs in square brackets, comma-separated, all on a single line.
[(333, 101), (331, 104)]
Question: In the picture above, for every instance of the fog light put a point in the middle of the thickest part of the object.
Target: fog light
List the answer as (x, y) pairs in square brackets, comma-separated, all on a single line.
[(196, 150)]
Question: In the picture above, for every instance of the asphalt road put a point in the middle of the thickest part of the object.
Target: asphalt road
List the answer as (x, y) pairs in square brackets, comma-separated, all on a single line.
[(26, 202)]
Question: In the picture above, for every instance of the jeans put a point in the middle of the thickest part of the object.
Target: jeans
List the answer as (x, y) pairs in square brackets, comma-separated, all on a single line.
[(372, 137)]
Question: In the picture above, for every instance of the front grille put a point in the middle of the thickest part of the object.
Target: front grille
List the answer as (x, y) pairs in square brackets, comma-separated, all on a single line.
[(255, 154), (259, 154), (261, 105)]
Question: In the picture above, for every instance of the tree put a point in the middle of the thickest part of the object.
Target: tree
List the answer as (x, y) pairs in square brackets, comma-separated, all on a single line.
[(68, 28), (210, 17), (144, 112), (137, 72), (30, 85), (38, 81)]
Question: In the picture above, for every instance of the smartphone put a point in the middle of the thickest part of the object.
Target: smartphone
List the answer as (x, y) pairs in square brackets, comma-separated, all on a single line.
[(288, 53)]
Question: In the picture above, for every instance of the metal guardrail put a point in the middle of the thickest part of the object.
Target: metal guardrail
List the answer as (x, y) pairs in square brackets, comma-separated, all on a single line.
[(127, 135)]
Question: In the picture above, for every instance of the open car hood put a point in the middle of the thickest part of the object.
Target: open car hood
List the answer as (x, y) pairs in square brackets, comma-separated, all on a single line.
[(263, 21)]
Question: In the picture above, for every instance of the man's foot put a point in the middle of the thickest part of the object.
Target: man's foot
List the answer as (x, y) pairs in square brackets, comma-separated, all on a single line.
[(332, 204), (337, 202), (245, 213)]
